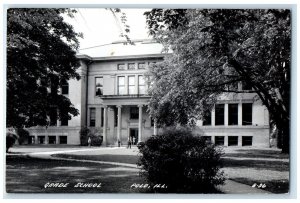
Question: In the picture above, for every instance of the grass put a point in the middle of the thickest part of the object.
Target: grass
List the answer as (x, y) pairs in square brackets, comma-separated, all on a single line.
[(250, 166), (28, 175), (129, 159)]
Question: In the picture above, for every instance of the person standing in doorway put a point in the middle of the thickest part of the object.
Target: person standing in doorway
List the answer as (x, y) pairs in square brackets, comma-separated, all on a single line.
[(129, 143)]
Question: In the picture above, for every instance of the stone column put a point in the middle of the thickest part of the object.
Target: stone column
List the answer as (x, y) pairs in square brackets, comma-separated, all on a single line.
[(119, 123), (105, 126), (213, 117), (155, 128), (240, 116), (140, 122), (226, 114)]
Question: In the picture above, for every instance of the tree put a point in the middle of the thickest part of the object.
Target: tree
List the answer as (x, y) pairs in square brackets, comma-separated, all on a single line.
[(41, 56), (212, 51)]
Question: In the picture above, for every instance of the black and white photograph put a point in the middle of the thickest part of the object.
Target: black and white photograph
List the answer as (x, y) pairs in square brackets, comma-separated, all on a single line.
[(118, 100)]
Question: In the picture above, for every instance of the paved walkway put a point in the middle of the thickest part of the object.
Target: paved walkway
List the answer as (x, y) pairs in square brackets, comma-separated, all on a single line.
[(230, 187)]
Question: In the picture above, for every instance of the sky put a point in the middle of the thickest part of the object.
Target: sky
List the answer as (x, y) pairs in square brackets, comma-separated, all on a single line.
[(99, 26)]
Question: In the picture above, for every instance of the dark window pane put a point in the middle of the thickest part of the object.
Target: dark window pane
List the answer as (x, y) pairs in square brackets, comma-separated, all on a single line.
[(131, 66), (116, 117), (121, 66), (219, 114), (152, 121), (31, 140), (63, 139), (92, 117), (41, 139), (207, 139), (134, 113), (53, 117), (141, 65), (233, 140), (52, 139), (219, 140), (232, 114), (247, 141), (64, 119), (207, 118), (65, 88), (247, 114), (102, 116), (99, 86)]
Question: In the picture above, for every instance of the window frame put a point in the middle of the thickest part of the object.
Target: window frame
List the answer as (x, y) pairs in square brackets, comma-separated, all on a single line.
[(100, 87)]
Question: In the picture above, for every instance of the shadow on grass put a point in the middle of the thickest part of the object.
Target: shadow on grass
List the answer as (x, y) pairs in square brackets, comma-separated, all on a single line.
[(258, 153), (29, 175), (256, 164), (128, 159)]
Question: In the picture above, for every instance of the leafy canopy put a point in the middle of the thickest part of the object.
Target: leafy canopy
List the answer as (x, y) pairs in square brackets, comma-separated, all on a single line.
[(41, 56), (213, 50)]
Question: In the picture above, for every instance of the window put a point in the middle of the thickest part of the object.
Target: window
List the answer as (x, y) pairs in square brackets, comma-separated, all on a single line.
[(52, 139), (141, 65), (41, 139), (246, 86), (131, 66), (207, 118), (115, 117), (102, 116), (92, 117), (53, 117), (151, 63), (121, 66), (233, 140), (247, 141), (64, 118), (219, 140), (141, 85), (99, 86), (63, 139), (31, 140), (121, 85), (152, 121), (65, 87), (219, 111), (131, 84), (207, 139), (247, 114), (232, 114), (134, 113)]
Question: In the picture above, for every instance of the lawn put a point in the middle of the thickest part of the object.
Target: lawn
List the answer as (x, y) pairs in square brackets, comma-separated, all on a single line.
[(247, 166), (29, 175), (266, 166)]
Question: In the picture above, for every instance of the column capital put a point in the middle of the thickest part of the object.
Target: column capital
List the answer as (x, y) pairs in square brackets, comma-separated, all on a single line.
[(140, 105), (119, 106), (105, 106)]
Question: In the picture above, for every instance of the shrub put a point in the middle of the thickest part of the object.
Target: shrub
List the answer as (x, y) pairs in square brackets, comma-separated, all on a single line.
[(182, 161), (23, 135), (96, 140), (84, 135), (10, 140), (94, 134)]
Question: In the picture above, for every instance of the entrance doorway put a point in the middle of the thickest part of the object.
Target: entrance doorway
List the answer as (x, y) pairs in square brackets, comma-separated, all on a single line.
[(133, 133)]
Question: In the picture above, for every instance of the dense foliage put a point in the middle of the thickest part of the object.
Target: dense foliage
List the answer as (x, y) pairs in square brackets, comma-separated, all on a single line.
[(212, 50), (41, 56), (185, 163), (23, 135), (85, 133)]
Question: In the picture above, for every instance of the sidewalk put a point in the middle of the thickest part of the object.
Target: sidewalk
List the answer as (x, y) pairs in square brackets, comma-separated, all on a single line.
[(230, 187)]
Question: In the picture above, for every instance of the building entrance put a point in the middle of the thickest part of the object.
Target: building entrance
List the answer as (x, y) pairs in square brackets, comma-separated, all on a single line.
[(134, 135)]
